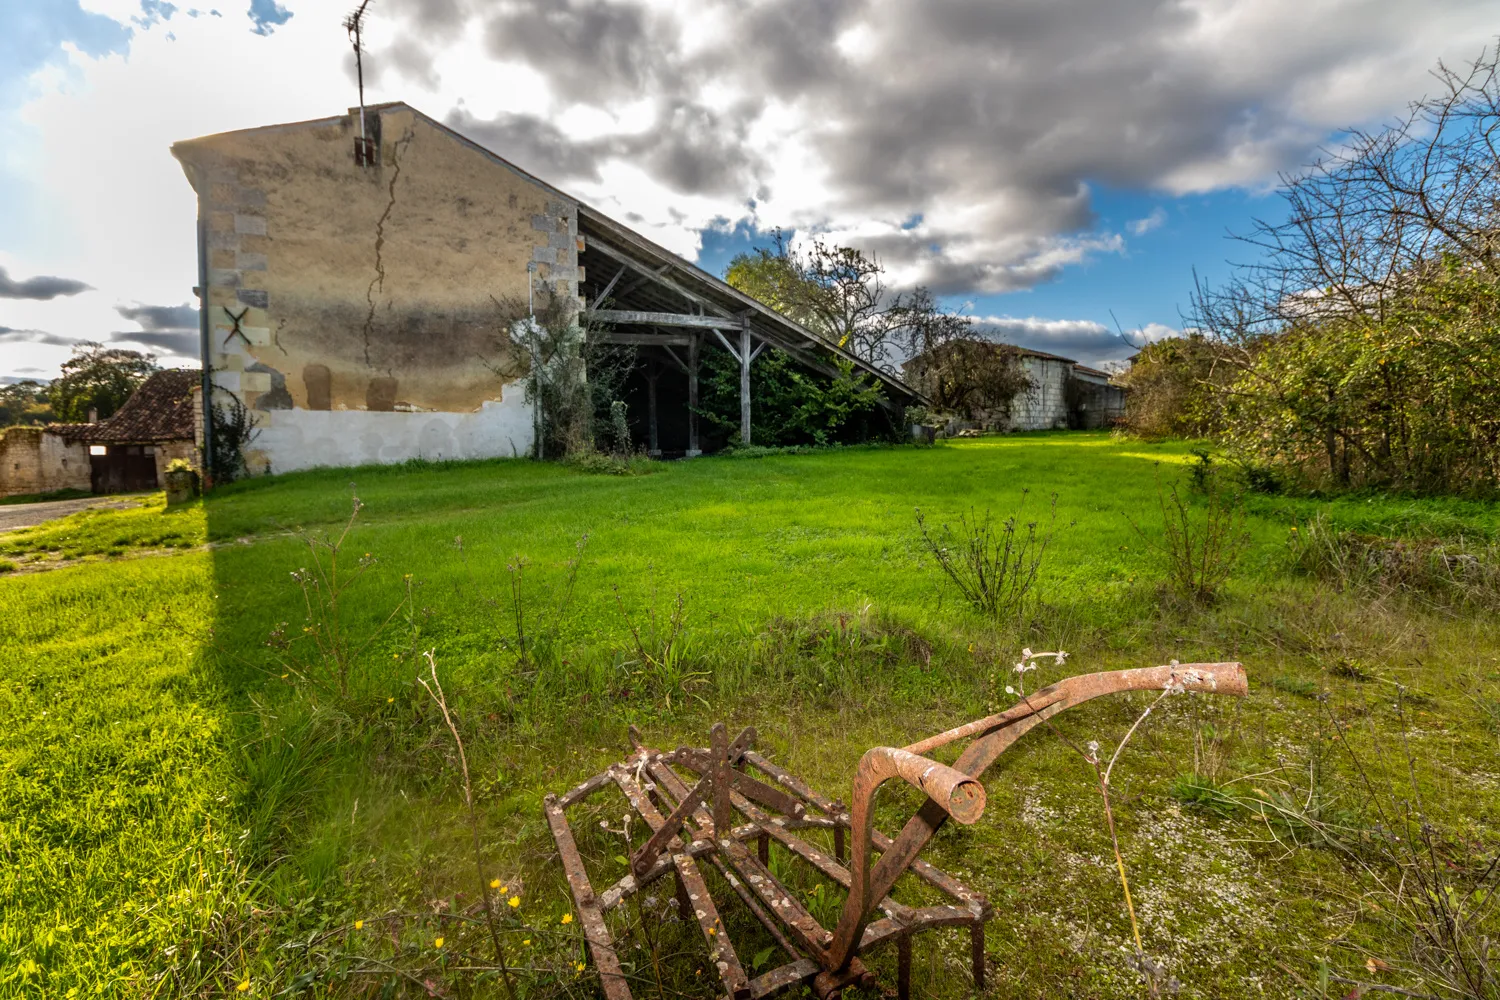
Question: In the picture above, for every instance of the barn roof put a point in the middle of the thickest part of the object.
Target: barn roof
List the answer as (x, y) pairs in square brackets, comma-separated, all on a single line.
[(160, 410)]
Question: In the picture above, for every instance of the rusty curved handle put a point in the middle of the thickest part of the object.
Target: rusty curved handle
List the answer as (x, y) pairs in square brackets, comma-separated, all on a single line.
[(995, 733), (961, 797)]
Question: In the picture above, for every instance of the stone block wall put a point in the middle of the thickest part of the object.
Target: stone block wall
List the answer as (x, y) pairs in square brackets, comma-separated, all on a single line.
[(1045, 406), (35, 460)]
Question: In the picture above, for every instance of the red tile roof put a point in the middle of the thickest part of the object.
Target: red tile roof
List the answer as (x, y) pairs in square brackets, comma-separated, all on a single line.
[(160, 410)]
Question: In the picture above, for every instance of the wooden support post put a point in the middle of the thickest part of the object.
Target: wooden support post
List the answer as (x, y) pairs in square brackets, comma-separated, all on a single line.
[(653, 443), (745, 379), (693, 347)]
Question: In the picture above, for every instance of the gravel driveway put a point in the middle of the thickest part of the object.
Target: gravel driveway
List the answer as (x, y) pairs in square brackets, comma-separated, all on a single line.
[(24, 515)]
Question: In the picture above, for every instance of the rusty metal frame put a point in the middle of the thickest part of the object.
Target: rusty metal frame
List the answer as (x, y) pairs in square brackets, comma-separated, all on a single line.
[(692, 820)]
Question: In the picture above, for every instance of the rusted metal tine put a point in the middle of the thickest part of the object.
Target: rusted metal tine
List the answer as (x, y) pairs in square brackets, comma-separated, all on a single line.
[(830, 868), (903, 967), (701, 762), (1223, 678), (720, 950), (723, 810), (642, 860), (780, 978), (667, 784), (976, 948), (811, 935), (883, 931), (757, 911), (580, 792), (612, 897), (590, 916), (798, 787)]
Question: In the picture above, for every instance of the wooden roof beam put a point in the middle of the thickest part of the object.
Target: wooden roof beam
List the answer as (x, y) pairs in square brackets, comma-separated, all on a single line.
[(657, 275), (662, 319)]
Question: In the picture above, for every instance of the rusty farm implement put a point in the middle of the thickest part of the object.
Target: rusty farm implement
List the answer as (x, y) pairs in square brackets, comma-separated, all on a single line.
[(722, 805)]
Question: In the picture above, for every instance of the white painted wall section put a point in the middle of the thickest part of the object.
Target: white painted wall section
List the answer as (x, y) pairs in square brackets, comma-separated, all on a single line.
[(289, 440)]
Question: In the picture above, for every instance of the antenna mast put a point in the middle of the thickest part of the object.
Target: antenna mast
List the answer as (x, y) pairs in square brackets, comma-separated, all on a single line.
[(354, 25)]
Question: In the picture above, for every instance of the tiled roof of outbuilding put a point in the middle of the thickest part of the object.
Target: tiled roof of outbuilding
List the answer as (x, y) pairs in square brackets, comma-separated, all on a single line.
[(160, 410)]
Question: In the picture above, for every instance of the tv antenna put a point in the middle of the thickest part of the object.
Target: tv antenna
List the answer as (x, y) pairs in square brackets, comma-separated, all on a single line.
[(364, 153)]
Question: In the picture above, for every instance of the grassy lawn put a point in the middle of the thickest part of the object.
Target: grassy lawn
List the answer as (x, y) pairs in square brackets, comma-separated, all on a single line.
[(189, 803)]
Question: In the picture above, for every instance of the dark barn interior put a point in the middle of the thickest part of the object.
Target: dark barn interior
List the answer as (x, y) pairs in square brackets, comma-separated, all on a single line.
[(670, 312)]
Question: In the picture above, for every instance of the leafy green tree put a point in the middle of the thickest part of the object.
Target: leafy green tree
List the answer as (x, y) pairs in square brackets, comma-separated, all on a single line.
[(24, 403), (839, 293), (98, 378), (792, 406)]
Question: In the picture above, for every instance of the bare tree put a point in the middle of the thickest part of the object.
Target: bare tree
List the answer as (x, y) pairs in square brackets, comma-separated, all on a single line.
[(1372, 216), (1361, 330)]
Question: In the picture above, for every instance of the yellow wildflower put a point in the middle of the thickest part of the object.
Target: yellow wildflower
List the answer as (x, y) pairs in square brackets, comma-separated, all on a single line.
[(578, 967), (527, 942), (243, 986), (359, 925), (437, 942), (567, 918), (494, 883), (515, 901)]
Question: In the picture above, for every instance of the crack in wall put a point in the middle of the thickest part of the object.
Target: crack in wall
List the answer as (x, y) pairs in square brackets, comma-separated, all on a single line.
[(379, 280)]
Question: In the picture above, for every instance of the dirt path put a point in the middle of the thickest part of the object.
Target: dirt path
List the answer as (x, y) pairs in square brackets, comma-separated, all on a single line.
[(24, 515)]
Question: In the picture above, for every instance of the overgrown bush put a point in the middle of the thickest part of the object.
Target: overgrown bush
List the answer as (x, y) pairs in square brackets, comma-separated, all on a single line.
[(571, 377), (233, 431), (790, 405), (1365, 340), (1176, 388)]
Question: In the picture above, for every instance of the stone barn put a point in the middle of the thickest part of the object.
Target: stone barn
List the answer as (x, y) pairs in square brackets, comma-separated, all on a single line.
[(160, 422), (1094, 399), (355, 277), (43, 459)]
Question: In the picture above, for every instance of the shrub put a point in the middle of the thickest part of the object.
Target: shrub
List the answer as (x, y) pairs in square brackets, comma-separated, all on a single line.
[(1453, 572), (993, 568), (1199, 551), (790, 405), (1176, 388)]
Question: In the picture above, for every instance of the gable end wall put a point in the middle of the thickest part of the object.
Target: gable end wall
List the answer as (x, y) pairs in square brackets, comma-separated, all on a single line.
[(353, 310)]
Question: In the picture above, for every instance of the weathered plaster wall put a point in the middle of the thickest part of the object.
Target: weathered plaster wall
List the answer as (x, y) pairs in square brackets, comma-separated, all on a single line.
[(354, 309), (33, 460), (1046, 406)]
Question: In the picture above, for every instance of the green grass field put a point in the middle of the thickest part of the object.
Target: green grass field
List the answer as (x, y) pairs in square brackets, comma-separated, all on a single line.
[(188, 805)]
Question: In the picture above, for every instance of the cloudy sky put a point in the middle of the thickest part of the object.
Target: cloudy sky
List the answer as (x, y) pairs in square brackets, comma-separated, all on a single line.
[(1041, 163)]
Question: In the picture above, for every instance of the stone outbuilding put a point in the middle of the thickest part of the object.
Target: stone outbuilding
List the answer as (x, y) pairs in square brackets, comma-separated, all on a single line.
[(359, 276), (43, 459), (128, 452), (1095, 399), (161, 421)]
